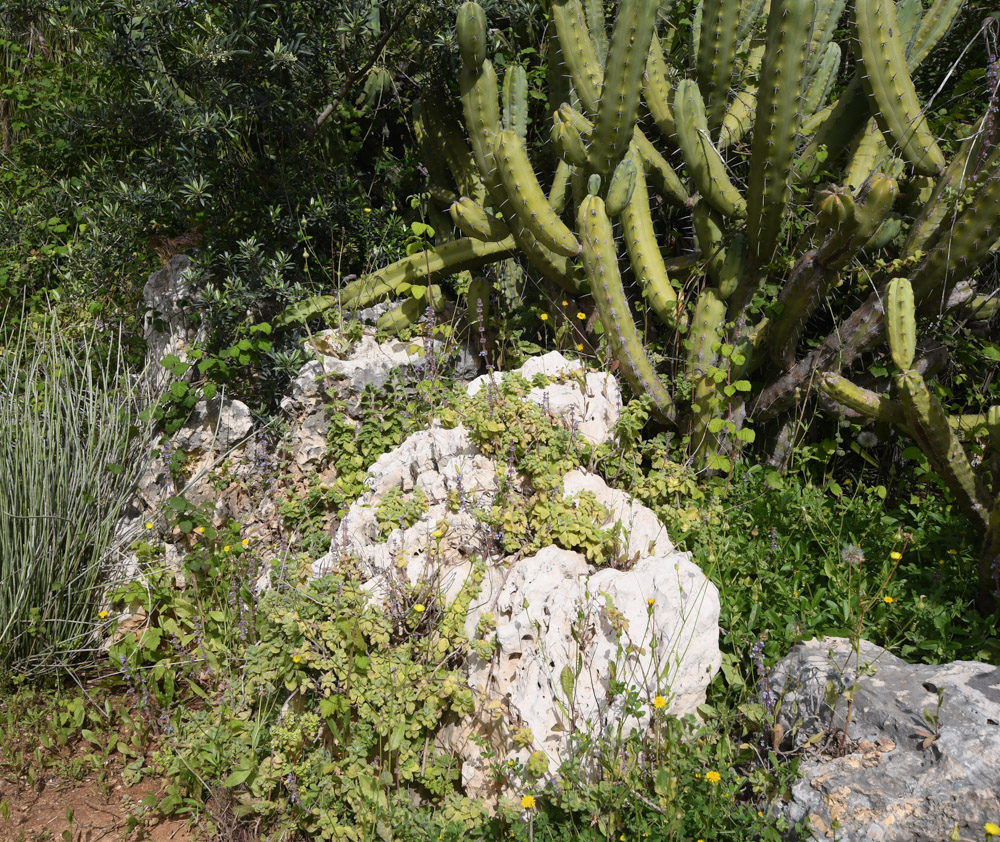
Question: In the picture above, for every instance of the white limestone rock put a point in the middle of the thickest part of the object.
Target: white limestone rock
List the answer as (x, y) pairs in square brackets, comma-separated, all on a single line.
[(590, 403)]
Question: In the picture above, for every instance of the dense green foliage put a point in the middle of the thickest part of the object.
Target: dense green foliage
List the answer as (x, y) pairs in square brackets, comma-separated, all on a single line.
[(314, 156)]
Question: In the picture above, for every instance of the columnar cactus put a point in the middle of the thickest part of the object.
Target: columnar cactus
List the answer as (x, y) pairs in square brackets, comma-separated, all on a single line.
[(747, 145)]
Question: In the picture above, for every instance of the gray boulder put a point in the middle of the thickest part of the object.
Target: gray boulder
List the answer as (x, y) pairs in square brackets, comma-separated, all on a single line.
[(923, 750)]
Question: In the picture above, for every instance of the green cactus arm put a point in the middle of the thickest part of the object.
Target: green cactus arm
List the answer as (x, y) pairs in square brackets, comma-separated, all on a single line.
[(558, 84), (828, 14), (806, 288), (952, 184), (600, 262), (568, 140), (822, 80), (703, 161), (928, 423), (593, 12), (842, 244), (564, 272), (869, 154), (847, 117), (901, 322), (908, 13), (578, 52), (426, 266), (775, 126), (435, 126), (705, 333), (622, 183), (961, 244), (889, 87), (644, 254), (710, 235), (750, 11), (559, 192), (811, 123), (969, 426), (477, 299), (660, 173), (515, 100), (657, 90), (473, 221), (526, 198), (696, 21), (410, 312), (706, 407), (619, 104), (863, 401), (720, 20), (934, 23), (739, 115), (470, 29), (482, 119)]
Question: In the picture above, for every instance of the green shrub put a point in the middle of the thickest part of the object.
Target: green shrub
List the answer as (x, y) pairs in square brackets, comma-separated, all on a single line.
[(71, 449)]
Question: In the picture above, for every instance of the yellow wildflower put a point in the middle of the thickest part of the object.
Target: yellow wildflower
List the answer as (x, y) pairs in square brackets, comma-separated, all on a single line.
[(368, 210), (226, 548), (659, 702), (991, 829), (888, 600), (200, 530), (651, 601), (581, 316), (420, 609), (565, 304), (103, 615), (895, 556), (296, 658), (245, 542), (528, 802), (579, 347), (713, 777), (149, 524), (544, 317)]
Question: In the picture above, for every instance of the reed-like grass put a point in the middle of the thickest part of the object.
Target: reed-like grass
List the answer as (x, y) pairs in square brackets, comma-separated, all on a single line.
[(71, 450)]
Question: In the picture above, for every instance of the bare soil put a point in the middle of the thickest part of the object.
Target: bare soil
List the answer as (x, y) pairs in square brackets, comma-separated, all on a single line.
[(100, 813)]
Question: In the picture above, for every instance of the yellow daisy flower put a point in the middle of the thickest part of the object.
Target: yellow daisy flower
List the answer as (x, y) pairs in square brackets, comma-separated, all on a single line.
[(895, 556), (713, 777), (888, 600), (528, 802), (659, 702)]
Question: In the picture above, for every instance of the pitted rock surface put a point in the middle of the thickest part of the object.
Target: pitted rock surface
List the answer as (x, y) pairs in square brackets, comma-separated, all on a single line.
[(896, 784)]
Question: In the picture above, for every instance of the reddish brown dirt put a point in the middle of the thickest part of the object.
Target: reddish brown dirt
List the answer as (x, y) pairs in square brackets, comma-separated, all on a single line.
[(99, 815)]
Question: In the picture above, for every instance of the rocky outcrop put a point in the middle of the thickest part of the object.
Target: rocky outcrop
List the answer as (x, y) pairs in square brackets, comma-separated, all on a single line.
[(655, 614), (923, 750), (168, 327)]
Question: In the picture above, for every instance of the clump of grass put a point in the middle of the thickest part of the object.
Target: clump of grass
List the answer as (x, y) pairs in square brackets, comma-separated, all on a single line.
[(71, 451)]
